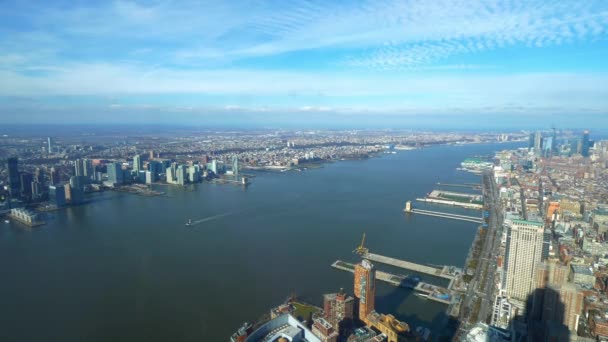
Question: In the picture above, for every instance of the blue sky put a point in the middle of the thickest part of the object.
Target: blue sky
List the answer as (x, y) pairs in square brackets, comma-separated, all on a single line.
[(168, 61)]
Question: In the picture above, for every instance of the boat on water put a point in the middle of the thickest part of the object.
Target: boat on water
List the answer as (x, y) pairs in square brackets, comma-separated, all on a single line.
[(7, 221), (189, 223), (423, 295)]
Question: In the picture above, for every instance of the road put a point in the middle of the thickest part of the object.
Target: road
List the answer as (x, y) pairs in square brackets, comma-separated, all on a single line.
[(482, 287)]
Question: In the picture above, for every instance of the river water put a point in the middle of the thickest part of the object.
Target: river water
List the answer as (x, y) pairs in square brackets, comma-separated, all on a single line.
[(125, 267)]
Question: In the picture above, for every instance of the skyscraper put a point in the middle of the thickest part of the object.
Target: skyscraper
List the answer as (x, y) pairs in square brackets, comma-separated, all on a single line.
[(585, 144), (181, 175), (525, 245), (39, 176), (365, 287), (78, 168), (137, 164), (538, 141), (26, 184), (115, 174), (50, 144), (12, 165), (57, 195), (55, 178), (235, 166)]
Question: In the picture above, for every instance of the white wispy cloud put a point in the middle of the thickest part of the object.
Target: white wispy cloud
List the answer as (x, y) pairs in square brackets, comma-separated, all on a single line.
[(385, 34), (565, 90), (189, 47)]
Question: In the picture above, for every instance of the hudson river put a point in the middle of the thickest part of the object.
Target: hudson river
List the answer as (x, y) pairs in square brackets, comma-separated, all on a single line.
[(125, 267)]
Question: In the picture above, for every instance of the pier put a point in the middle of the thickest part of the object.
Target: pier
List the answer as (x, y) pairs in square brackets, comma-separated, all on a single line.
[(446, 215), (443, 272), (465, 185), (432, 292)]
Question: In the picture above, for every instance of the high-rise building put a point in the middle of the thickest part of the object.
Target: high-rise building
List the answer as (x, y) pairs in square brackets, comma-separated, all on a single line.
[(78, 168), (155, 167), (548, 147), (39, 176), (585, 144), (573, 299), (151, 155), (194, 173), (137, 163), (171, 176), (525, 245), (212, 166), (84, 167), (365, 288), (531, 142), (68, 192), (182, 176), (55, 177), (339, 310), (57, 195), (12, 165), (150, 177), (36, 190), (538, 141), (50, 145), (26, 184), (115, 173), (235, 166)]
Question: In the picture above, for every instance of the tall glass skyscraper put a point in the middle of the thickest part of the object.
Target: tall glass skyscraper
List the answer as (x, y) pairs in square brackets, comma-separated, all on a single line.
[(14, 185), (586, 144)]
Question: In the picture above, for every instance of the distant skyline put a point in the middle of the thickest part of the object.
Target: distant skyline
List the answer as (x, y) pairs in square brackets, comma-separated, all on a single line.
[(305, 62)]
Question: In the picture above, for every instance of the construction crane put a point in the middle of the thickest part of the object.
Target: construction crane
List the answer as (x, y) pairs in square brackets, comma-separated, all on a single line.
[(361, 250)]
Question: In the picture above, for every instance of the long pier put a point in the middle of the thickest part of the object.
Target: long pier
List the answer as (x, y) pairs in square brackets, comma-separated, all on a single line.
[(433, 271), (446, 215), (432, 292), (465, 185)]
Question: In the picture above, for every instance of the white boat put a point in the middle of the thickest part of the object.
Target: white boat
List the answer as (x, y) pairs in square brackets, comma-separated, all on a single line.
[(7, 221), (189, 223)]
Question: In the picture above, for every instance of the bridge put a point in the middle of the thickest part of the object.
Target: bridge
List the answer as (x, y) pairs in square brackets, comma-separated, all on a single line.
[(446, 215), (433, 271)]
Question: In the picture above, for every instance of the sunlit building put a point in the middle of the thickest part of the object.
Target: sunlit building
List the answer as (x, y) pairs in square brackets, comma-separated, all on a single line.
[(525, 249), (365, 288)]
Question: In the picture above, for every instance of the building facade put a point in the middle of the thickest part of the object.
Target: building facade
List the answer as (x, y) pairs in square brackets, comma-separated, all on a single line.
[(525, 245), (365, 288)]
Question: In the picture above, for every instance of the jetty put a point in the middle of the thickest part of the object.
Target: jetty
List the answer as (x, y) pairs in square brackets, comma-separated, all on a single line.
[(430, 291)]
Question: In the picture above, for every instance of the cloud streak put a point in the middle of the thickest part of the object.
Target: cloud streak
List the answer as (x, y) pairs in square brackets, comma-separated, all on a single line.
[(308, 54)]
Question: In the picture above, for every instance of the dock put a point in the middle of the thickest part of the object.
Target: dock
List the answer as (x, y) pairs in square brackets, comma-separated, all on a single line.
[(447, 215), (431, 292), (443, 272), (469, 201), (465, 185)]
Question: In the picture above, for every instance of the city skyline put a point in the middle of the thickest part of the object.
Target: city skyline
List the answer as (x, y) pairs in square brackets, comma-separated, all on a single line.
[(302, 61)]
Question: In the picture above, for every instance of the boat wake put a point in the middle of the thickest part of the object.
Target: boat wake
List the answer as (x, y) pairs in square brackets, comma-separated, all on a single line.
[(210, 218)]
